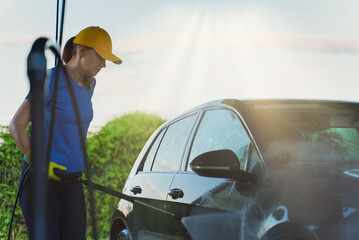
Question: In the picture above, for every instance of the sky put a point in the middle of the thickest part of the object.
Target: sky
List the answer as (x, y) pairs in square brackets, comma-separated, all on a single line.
[(178, 54)]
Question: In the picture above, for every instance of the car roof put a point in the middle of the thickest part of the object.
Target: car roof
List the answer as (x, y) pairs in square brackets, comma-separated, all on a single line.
[(240, 104), (296, 101), (235, 102)]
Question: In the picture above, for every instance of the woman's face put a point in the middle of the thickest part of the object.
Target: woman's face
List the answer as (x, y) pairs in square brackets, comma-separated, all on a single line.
[(92, 62)]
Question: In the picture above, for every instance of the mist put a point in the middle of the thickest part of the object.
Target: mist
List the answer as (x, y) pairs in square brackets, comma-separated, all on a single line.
[(310, 191)]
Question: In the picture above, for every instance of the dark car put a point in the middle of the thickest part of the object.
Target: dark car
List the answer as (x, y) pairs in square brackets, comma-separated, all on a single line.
[(247, 169)]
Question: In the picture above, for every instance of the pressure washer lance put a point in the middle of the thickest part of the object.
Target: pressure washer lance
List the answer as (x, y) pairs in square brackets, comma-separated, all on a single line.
[(77, 179)]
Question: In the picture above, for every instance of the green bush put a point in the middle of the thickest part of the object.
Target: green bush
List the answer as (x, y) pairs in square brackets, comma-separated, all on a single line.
[(112, 152), (10, 166)]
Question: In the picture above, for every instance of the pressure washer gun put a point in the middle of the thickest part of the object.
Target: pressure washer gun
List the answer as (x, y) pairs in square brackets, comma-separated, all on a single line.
[(78, 179)]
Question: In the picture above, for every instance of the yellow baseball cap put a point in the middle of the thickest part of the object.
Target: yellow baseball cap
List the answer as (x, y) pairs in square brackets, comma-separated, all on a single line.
[(99, 40)]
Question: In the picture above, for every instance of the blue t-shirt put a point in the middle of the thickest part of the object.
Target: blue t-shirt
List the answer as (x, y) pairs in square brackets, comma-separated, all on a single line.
[(66, 144)]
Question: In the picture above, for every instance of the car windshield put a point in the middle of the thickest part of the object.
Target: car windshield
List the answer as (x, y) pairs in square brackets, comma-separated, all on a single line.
[(320, 131)]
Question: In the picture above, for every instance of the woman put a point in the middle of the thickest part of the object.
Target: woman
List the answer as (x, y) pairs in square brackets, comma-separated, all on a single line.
[(85, 55)]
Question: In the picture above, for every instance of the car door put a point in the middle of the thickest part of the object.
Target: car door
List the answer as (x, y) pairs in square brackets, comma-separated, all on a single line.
[(217, 198), (154, 176)]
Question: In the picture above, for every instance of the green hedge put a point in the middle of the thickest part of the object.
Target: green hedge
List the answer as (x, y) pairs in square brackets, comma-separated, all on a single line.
[(10, 166), (112, 152)]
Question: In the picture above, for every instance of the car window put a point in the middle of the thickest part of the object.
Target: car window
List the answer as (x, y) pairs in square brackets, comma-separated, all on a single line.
[(306, 131), (169, 154), (220, 129), (151, 154), (339, 144)]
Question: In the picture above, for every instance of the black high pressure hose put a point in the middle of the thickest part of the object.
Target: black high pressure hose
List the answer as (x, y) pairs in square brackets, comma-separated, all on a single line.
[(16, 200)]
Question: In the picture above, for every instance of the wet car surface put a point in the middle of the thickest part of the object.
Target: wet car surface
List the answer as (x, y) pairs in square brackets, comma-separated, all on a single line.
[(248, 169)]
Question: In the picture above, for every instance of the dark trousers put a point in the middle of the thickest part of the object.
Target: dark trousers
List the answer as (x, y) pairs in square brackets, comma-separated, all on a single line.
[(66, 209)]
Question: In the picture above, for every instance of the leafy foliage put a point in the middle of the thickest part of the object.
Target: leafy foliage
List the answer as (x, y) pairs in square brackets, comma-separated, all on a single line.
[(112, 152), (10, 166)]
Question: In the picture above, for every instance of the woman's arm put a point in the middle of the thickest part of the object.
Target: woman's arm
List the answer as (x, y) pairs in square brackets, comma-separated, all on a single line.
[(18, 126)]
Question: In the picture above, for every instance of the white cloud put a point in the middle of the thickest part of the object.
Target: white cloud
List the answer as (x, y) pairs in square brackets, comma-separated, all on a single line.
[(241, 40), (317, 43), (19, 37), (146, 42)]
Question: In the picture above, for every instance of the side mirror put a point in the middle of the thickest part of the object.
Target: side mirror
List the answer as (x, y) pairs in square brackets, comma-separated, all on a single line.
[(221, 164)]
